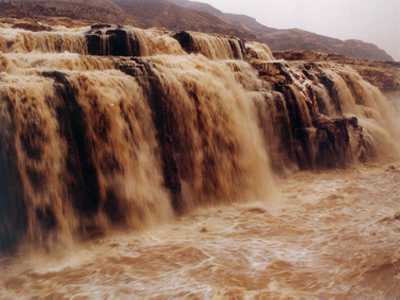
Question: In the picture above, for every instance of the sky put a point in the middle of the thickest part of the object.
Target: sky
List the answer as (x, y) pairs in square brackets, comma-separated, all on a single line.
[(373, 21)]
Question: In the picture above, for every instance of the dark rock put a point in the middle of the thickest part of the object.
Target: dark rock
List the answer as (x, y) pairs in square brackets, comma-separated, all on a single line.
[(100, 26), (184, 38), (94, 44), (84, 187), (274, 72), (162, 119), (13, 210), (384, 74), (114, 42), (332, 143), (118, 43), (31, 26), (333, 93), (188, 44)]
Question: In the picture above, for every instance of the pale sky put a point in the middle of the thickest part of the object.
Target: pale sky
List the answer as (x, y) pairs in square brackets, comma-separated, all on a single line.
[(373, 21)]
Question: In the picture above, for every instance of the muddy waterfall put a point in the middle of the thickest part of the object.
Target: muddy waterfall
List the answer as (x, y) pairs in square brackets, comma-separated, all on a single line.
[(106, 128)]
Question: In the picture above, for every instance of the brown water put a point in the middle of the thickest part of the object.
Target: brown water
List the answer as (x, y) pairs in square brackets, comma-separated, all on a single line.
[(185, 175), (332, 234)]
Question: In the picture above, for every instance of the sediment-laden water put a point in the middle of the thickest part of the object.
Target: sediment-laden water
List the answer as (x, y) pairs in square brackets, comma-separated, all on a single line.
[(332, 234), (152, 164)]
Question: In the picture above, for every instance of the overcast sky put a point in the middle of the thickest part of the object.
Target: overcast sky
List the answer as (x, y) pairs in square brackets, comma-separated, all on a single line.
[(374, 21)]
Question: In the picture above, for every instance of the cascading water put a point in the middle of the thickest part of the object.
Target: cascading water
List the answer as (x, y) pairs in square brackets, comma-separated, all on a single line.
[(109, 128)]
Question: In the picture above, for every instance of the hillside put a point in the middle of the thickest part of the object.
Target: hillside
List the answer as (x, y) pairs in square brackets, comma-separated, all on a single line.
[(163, 13), (183, 15), (300, 40), (139, 13), (71, 11), (292, 39)]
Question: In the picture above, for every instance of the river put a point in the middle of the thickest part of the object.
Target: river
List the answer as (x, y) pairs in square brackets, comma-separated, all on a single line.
[(195, 176)]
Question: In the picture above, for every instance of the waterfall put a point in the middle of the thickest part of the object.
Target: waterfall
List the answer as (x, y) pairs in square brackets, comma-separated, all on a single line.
[(108, 127)]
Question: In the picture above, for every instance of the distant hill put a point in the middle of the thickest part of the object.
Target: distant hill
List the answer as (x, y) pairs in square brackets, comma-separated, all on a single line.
[(139, 13), (184, 15), (299, 40), (85, 11), (163, 13), (291, 39)]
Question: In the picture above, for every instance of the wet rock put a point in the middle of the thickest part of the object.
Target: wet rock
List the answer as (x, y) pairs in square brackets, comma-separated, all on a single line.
[(94, 44), (162, 118), (384, 74), (163, 122), (289, 55), (108, 40), (184, 38), (308, 56), (272, 71), (191, 43), (332, 143), (118, 42), (100, 26), (83, 184), (31, 26), (13, 210)]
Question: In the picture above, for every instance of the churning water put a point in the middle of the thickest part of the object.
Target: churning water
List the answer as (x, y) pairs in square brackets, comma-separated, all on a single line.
[(132, 169)]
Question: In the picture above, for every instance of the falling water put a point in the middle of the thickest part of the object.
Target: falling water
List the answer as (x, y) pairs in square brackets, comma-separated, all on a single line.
[(161, 164)]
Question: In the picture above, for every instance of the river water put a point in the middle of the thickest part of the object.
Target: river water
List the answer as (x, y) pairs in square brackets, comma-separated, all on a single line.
[(91, 213), (330, 234)]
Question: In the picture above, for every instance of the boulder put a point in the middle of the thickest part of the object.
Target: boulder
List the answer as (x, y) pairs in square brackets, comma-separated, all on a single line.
[(31, 26)]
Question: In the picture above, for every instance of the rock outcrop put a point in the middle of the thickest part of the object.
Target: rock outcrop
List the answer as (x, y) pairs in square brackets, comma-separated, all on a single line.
[(383, 74), (115, 41)]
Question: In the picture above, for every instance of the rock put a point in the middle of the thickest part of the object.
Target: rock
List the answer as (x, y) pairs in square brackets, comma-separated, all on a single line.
[(31, 26), (163, 122), (332, 143), (272, 71), (308, 55), (384, 74), (105, 39), (12, 225), (310, 135), (94, 44), (185, 40), (192, 43), (100, 26)]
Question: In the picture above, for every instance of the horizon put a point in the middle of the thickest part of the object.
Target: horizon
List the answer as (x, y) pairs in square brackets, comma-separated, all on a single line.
[(367, 20)]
